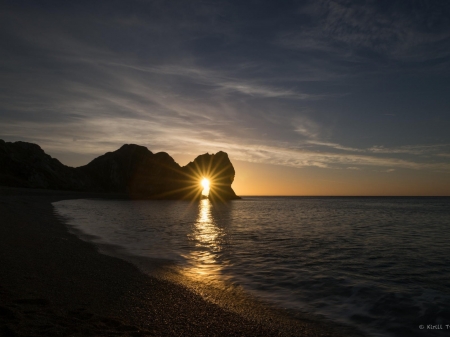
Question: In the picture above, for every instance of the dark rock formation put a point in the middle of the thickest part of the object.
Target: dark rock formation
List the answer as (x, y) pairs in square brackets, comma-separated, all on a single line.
[(220, 172), (134, 170), (131, 170), (27, 165)]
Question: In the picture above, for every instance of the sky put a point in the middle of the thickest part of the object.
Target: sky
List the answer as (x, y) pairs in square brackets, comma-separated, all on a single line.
[(320, 97)]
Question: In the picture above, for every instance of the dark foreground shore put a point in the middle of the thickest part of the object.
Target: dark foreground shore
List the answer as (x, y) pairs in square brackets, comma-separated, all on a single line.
[(54, 284)]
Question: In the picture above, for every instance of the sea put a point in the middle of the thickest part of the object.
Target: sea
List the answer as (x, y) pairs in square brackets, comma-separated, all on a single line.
[(380, 265)]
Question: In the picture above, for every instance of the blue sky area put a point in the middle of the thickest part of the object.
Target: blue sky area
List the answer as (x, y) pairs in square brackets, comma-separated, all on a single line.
[(307, 85)]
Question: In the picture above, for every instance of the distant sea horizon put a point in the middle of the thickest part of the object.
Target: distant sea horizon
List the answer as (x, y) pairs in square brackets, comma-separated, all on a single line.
[(344, 196), (378, 264)]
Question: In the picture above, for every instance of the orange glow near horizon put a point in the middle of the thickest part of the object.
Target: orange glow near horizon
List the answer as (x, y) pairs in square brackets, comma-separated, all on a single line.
[(273, 180)]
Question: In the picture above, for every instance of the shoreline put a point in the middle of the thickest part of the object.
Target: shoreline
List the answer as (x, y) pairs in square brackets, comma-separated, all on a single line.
[(52, 283)]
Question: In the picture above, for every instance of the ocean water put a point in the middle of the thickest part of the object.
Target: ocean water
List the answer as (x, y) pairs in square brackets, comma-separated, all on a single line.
[(381, 265)]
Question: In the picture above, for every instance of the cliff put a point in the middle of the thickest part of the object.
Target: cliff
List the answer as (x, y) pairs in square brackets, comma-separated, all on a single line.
[(27, 165), (131, 170)]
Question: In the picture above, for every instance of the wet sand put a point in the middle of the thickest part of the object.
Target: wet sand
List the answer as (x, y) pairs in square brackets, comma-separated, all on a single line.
[(54, 284)]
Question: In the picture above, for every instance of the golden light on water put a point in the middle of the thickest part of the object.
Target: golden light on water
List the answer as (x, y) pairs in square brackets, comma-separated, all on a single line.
[(208, 243)]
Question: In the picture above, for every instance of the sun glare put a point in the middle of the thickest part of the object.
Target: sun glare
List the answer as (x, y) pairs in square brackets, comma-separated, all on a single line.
[(205, 184)]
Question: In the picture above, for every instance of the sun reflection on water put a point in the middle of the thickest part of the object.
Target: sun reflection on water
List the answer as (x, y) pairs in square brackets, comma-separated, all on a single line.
[(207, 239)]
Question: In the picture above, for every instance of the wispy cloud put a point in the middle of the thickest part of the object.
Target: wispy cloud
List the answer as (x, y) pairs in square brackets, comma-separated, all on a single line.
[(266, 92), (410, 149), (367, 33), (335, 146), (96, 136), (307, 128), (223, 82)]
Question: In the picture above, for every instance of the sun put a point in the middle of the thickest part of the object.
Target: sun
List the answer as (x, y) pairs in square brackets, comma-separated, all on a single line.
[(205, 184)]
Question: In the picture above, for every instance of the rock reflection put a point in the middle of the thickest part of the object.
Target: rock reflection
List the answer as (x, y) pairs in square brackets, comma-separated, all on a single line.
[(207, 240)]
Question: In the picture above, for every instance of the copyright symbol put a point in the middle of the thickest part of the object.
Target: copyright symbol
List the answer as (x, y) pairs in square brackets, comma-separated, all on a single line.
[(421, 327)]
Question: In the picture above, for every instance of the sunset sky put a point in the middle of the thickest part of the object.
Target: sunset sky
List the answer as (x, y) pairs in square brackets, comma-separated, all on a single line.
[(307, 97)]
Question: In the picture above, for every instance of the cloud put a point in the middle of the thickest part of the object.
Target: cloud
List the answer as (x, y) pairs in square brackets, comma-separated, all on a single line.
[(263, 91), (306, 127), (304, 158), (223, 82), (96, 136), (370, 33), (410, 149), (335, 146)]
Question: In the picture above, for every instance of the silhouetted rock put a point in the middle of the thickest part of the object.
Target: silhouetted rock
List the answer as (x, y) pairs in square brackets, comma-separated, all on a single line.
[(27, 165), (217, 168), (131, 170)]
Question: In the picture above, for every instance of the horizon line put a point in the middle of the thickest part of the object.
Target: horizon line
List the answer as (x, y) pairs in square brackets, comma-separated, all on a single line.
[(346, 196)]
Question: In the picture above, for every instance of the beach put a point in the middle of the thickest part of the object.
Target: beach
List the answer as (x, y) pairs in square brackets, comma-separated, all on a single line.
[(54, 284)]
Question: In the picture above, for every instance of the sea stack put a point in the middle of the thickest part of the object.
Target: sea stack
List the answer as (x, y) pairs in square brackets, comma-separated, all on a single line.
[(219, 170)]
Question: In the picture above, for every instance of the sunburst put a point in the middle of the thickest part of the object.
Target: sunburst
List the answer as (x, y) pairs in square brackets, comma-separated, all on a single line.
[(197, 174), (205, 183)]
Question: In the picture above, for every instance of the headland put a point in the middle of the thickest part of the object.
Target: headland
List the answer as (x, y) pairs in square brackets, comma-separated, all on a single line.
[(132, 170)]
